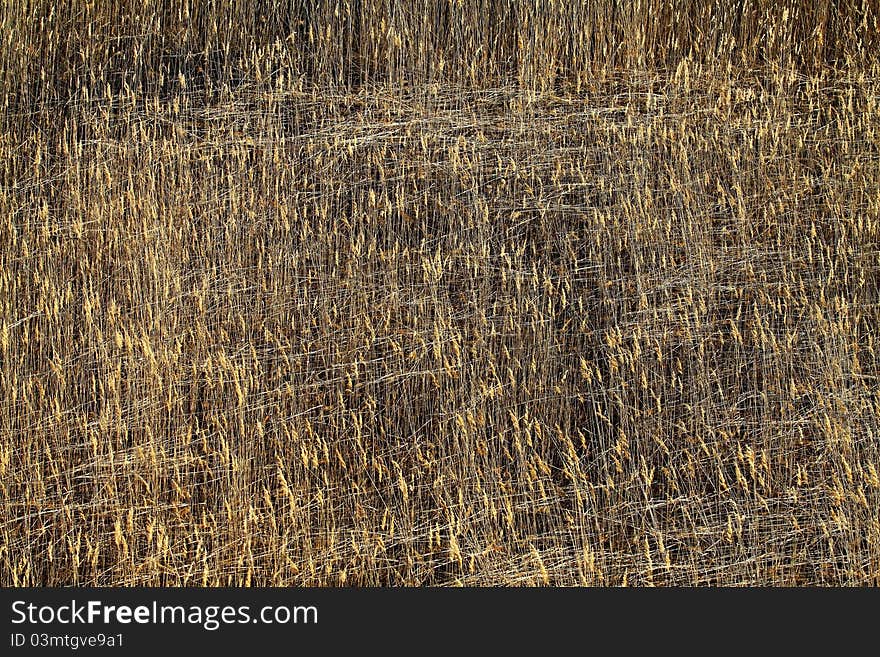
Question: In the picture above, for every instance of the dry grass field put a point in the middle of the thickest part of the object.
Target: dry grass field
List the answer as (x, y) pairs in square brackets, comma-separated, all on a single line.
[(434, 292)]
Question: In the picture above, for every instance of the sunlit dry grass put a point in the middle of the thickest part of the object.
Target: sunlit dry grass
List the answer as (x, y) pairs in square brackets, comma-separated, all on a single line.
[(398, 295)]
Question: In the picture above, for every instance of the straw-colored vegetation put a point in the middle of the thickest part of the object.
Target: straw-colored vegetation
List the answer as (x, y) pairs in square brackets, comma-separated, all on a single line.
[(429, 293)]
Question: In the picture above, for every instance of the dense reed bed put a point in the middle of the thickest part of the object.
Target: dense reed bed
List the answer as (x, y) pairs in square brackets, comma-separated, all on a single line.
[(438, 293)]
